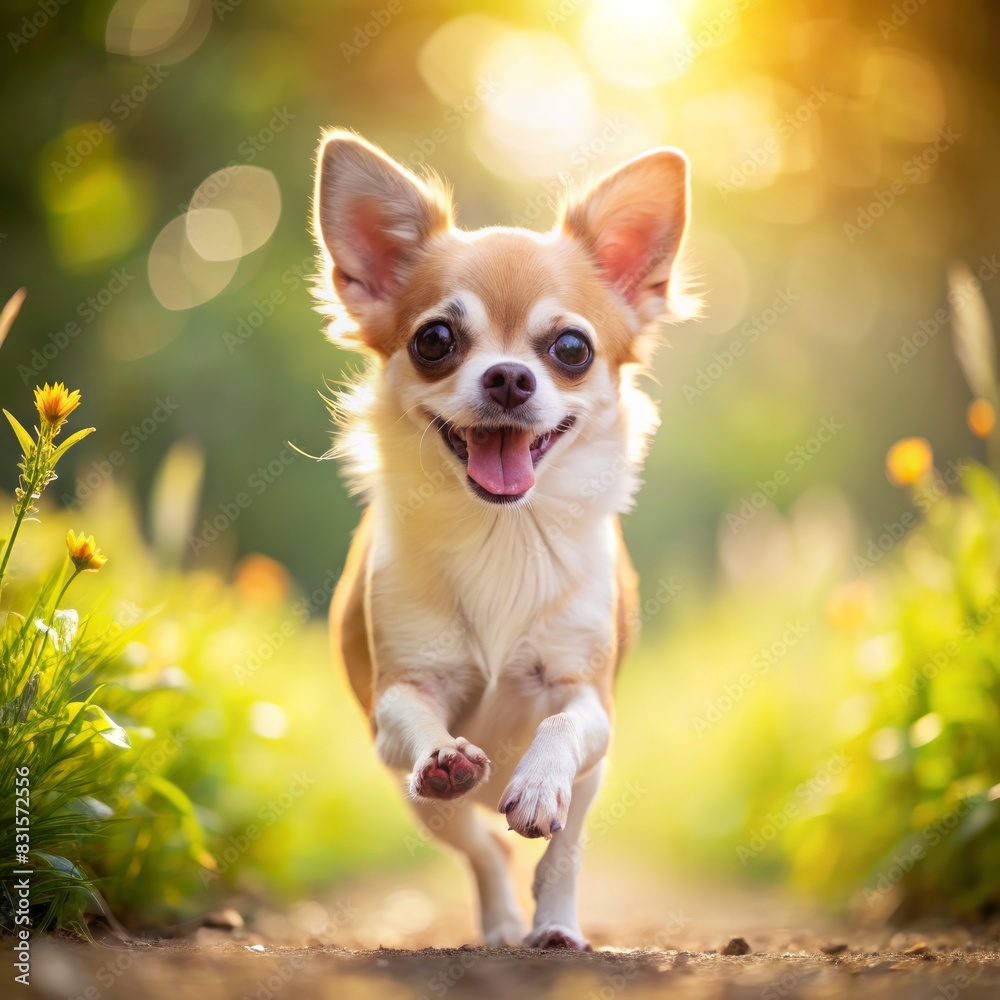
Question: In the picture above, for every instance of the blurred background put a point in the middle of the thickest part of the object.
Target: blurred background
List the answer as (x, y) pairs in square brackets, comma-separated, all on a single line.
[(155, 198)]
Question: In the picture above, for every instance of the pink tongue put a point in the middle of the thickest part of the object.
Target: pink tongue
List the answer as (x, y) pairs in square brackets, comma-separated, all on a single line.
[(500, 461)]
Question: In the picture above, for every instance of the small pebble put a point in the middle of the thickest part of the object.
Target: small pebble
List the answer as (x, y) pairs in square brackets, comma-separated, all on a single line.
[(736, 946), (834, 949), (227, 920), (879, 967)]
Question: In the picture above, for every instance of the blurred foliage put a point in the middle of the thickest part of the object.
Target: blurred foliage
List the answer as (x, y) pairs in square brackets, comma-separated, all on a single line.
[(923, 784), (844, 156), (860, 760), (65, 777), (795, 116)]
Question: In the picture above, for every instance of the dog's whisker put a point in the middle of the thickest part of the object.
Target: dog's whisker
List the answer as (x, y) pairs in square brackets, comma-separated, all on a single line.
[(405, 413), (420, 447)]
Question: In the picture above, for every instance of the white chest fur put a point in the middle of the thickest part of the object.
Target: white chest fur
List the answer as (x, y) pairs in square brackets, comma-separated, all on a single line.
[(501, 590)]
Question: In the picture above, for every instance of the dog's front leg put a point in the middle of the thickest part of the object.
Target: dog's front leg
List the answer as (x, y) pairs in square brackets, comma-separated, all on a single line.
[(566, 745), (549, 794), (412, 734)]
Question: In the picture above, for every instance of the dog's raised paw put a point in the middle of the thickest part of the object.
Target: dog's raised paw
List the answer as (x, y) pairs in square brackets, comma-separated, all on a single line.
[(557, 937), (448, 772), (535, 808)]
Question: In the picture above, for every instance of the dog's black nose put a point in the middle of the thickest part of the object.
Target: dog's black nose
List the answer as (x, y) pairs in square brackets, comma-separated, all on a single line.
[(509, 384)]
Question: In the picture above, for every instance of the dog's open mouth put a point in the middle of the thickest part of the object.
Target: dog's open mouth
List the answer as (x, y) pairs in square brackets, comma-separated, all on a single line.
[(500, 461)]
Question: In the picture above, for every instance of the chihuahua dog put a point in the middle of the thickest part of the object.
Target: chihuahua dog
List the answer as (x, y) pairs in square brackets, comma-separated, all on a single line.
[(496, 435)]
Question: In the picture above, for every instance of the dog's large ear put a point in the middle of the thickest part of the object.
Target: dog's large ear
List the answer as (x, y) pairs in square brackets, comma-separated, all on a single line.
[(371, 217), (632, 221)]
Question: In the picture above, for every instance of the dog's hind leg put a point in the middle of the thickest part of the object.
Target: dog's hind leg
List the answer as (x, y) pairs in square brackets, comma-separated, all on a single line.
[(555, 924), (458, 825)]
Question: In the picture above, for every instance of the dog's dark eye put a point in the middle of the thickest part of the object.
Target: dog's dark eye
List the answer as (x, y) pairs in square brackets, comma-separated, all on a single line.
[(571, 348), (433, 342)]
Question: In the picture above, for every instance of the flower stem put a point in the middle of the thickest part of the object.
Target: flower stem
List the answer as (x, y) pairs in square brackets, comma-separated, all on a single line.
[(65, 587), (34, 480), (22, 510), (10, 541)]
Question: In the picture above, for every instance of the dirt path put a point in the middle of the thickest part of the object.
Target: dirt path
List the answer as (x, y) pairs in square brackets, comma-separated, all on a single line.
[(166, 972), (650, 939)]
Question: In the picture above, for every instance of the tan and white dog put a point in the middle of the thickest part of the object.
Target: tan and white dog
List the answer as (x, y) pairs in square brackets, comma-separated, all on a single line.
[(497, 436)]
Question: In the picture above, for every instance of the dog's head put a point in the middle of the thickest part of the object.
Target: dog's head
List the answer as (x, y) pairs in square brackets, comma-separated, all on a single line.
[(508, 343)]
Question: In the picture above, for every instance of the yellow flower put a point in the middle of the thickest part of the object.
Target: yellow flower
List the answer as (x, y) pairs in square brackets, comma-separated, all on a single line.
[(981, 418), (55, 403), (850, 605), (909, 461), (84, 551)]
